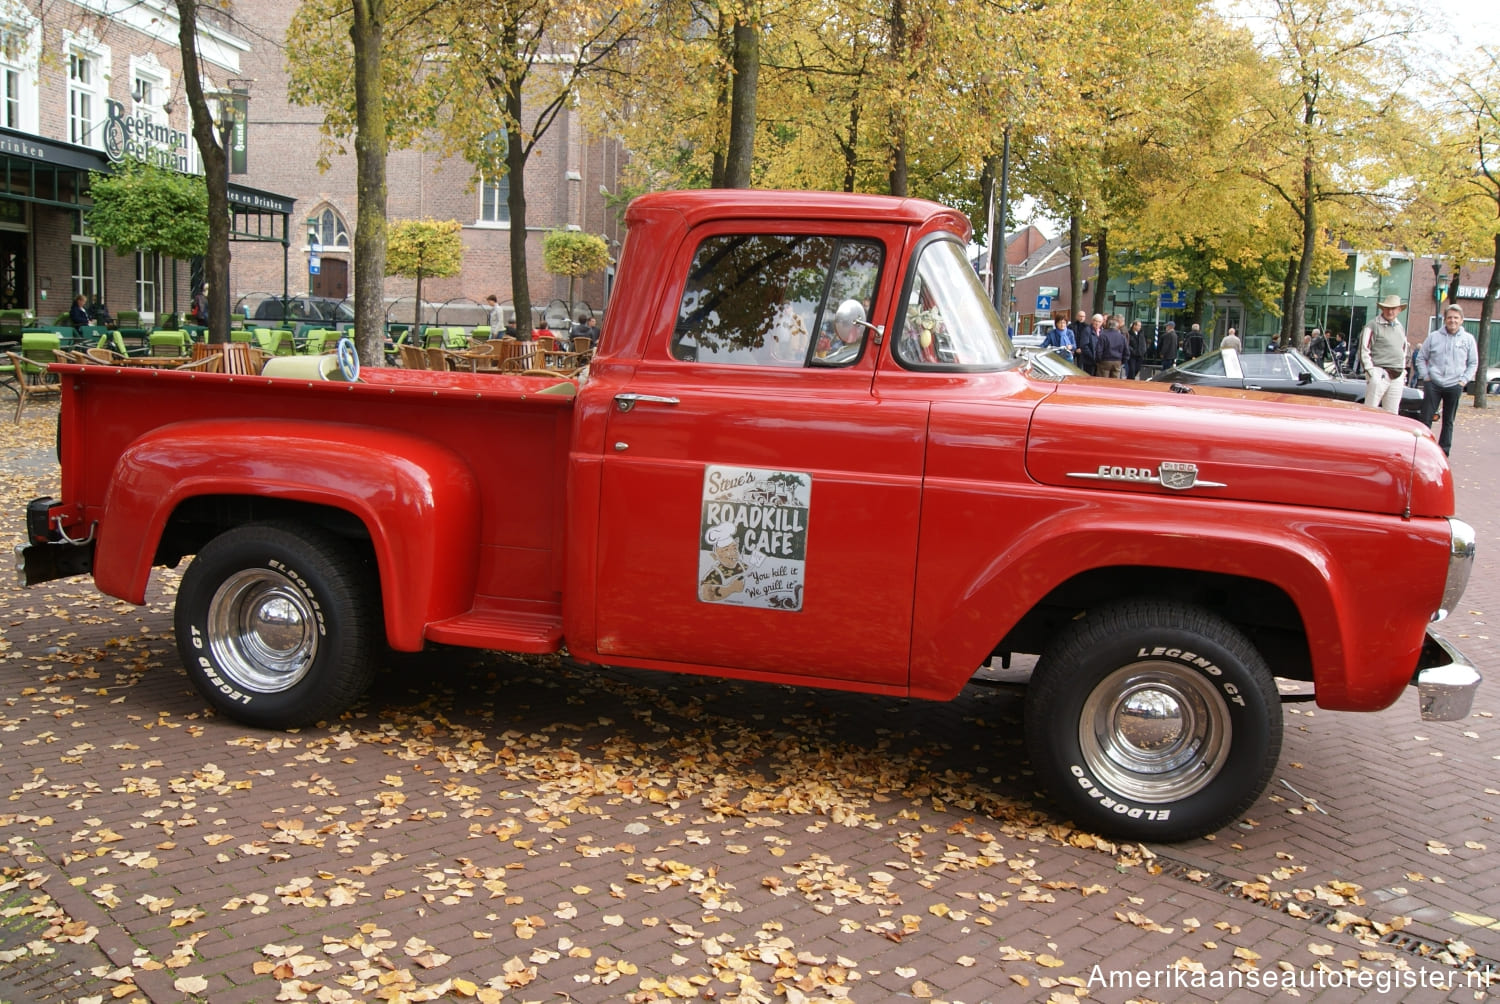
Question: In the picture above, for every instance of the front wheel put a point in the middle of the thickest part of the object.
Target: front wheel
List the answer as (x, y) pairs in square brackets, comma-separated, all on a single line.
[(1153, 720), (274, 625)]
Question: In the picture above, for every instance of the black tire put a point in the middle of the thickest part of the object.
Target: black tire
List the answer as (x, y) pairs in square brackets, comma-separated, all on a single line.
[(1153, 720), (275, 625)]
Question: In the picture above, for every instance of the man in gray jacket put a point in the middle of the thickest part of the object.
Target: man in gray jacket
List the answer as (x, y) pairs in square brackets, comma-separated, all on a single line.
[(1446, 362)]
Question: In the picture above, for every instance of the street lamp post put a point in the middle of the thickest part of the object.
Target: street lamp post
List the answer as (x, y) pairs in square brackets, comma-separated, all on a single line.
[(313, 264), (233, 109)]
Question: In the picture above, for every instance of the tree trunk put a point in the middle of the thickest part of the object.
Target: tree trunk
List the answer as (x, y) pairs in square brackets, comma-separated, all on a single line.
[(1075, 262), (898, 173), (1101, 272), (742, 105), (851, 151), (1288, 286), (213, 148), (370, 146), (1486, 311), (515, 167)]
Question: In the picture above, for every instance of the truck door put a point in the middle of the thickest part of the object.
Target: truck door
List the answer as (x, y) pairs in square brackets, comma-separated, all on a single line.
[(759, 507)]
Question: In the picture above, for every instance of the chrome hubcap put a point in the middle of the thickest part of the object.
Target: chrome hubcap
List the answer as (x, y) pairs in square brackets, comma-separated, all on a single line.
[(1155, 732), (262, 631)]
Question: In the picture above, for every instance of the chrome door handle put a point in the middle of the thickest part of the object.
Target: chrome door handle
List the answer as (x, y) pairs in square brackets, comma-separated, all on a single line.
[(625, 402)]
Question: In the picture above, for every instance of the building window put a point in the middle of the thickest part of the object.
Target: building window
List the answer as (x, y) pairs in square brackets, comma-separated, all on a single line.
[(88, 270), (18, 62), (148, 282), (87, 79), (332, 233), (494, 204)]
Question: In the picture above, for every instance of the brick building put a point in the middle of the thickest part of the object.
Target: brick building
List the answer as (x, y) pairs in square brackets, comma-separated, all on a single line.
[(79, 89), (565, 180)]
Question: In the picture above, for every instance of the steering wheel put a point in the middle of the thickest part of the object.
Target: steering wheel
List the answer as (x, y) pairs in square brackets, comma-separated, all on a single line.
[(348, 357)]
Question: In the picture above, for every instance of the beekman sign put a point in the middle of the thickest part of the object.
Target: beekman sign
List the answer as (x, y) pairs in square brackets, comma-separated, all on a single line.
[(141, 138)]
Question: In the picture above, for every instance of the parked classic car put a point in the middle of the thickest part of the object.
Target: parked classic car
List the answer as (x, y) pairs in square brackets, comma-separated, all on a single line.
[(1285, 372)]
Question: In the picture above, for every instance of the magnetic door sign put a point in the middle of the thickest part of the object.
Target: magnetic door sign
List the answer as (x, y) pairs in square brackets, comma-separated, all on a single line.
[(752, 537)]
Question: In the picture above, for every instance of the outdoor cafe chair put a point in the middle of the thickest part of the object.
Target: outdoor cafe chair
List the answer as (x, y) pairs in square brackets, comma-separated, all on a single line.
[(168, 343), (31, 379)]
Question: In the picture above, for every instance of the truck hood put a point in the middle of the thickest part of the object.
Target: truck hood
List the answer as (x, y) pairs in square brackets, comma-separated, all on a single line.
[(1226, 444)]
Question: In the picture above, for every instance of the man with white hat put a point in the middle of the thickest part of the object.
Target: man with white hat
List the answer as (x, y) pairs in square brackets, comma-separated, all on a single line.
[(1382, 352), (727, 577)]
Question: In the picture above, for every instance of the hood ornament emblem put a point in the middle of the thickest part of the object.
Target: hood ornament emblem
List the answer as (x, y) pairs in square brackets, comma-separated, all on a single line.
[(1171, 474)]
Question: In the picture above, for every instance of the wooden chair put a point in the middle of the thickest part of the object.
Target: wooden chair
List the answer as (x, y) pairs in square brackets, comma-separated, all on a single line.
[(437, 359), (234, 357), (413, 358), (31, 379), (516, 356), (102, 355)]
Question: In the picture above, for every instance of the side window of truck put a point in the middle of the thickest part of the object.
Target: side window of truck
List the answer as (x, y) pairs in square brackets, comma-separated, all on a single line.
[(770, 299)]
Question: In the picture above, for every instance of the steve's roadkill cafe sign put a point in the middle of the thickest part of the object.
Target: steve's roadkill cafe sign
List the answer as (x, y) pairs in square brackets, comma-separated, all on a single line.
[(752, 537)]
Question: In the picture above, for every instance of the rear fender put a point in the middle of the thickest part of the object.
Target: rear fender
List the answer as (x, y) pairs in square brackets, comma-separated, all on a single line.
[(417, 498)]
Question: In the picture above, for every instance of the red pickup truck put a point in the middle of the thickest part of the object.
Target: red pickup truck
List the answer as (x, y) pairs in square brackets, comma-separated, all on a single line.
[(803, 453)]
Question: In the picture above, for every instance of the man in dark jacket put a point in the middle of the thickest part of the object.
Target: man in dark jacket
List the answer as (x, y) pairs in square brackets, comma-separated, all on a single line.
[(1112, 349), (1194, 347), (1087, 336), (1139, 346), (1168, 345)]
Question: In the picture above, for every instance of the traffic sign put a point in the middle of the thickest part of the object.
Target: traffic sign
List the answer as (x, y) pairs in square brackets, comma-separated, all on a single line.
[(314, 264), (1043, 303)]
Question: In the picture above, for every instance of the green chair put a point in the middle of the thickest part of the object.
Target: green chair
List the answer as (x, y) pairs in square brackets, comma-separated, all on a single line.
[(128, 319), (456, 338), (115, 342), (241, 335), (481, 333), (275, 341), (168, 343), (319, 340)]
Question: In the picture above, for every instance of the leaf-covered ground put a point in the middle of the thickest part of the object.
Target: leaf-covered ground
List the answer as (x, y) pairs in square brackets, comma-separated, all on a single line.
[(490, 828)]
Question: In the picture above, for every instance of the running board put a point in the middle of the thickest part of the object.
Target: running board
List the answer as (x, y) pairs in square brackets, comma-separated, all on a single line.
[(503, 630)]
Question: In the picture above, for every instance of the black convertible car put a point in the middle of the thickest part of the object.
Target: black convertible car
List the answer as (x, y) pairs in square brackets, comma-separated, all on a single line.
[(1288, 372)]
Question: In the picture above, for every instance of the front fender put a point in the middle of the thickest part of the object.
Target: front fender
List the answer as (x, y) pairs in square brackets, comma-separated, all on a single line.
[(1363, 639), (417, 498)]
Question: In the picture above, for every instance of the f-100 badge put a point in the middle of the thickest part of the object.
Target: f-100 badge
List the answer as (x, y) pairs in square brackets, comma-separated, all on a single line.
[(1170, 474)]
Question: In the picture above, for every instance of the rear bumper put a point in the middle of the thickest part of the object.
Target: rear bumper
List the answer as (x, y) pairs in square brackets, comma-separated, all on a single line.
[(1446, 681), (37, 563)]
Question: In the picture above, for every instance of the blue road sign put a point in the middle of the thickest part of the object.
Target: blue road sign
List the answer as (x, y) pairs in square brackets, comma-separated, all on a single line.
[(1043, 303), (314, 264)]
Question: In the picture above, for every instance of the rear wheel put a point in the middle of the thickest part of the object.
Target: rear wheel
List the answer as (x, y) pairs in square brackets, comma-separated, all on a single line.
[(275, 625), (1153, 720)]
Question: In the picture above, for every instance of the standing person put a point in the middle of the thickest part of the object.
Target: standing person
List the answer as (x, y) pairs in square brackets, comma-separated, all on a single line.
[(1446, 362), (199, 310), (1317, 347), (1138, 350), (1382, 352), (1231, 340), (1168, 345), (496, 317), (1110, 354), (1060, 337), (1193, 347), (1088, 344)]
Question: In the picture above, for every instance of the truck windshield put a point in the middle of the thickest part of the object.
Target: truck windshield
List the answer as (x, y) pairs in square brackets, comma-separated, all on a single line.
[(948, 321)]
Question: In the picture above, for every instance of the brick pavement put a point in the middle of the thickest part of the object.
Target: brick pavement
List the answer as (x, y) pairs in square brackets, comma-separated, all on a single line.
[(552, 833)]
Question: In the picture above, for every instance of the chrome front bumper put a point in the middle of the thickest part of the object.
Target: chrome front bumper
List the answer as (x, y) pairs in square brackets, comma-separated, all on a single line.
[(1446, 681)]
